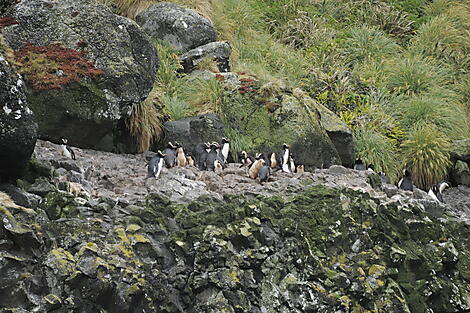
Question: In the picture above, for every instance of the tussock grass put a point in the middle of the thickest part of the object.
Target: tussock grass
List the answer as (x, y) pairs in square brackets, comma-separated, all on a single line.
[(426, 154), (365, 43), (203, 94), (168, 80), (375, 148), (145, 121), (177, 108)]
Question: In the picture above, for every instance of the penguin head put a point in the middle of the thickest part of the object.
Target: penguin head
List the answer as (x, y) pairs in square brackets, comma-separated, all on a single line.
[(442, 185), (225, 140), (177, 145), (285, 146), (214, 146), (160, 154), (371, 167), (358, 161), (258, 156), (435, 189), (170, 145), (64, 141), (243, 154), (407, 173), (207, 145)]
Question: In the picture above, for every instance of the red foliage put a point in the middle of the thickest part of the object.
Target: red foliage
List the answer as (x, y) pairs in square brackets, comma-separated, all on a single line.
[(53, 66), (219, 77), (7, 21)]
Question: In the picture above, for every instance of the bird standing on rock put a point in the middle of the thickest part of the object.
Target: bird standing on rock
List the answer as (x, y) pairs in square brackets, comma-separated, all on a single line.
[(406, 183), (170, 155), (155, 165), (436, 191), (67, 150)]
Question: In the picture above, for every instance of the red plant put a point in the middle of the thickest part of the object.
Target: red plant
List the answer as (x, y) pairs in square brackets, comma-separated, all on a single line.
[(53, 66), (7, 21), (219, 77)]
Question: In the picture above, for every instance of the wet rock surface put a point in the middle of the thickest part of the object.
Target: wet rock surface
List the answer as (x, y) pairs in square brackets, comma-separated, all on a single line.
[(217, 51), (104, 239), (18, 131)]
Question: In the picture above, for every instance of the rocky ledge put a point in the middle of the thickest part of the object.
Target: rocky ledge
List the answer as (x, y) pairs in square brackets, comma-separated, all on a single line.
[(93, 236)]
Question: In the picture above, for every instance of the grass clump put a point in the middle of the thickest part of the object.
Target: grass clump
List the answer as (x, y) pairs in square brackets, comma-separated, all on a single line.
[(177, 109), (204, 94), (145, 121), (426, 152)]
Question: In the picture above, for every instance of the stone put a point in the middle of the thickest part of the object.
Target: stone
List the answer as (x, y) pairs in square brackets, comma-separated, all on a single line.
[(218, 51), (18, 131), (193, 130), (461, 150), (90, 111), (460, 173), (182, 28)]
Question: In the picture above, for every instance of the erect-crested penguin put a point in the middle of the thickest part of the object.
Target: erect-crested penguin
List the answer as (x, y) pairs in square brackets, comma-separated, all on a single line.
[(189, 159), (181, 157), (359, 165), (273, 160), (255, 167), (212, 156), (245, 159), (384, 178), (264, 173), (155, 165), (406, 183), (292, 167), (67, 150), (218, 166), (225, 148), (170, 155), (371, 168), (436, 191), (198, 152), (300, 168), (283, 158)]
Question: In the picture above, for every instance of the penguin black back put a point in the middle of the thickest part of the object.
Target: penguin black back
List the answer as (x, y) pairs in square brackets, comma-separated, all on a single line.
[(359, 165), (170, 155), (406, 183), (264, 174)]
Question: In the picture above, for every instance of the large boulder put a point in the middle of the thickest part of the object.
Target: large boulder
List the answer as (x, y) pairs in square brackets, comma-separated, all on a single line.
[(337, 130), (85, 110), (183, 28), (18, 131), (193, 130), (218, 51)]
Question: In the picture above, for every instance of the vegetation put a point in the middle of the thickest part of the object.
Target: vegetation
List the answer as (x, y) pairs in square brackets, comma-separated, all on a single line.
[(397, 72)]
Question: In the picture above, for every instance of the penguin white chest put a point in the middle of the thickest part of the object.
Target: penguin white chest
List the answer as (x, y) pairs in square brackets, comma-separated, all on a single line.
[(66, 152), (225, 149), (285, 161), (159, 167)]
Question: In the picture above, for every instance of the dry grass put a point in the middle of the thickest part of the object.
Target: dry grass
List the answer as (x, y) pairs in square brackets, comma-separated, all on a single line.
[(145, 121)]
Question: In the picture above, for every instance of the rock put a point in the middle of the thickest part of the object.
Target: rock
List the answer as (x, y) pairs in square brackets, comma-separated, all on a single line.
[(41, 187), (460, 174), (88, 111), (5, 5), (218, 51), (337, 130), (193, 130), (461, 150), (18, 131), (183, 28)]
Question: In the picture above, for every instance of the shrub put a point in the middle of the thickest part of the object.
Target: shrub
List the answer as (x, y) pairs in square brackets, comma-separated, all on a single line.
[(176, 108), (145, 121), (168, 80), (203, 94), (426, 154), (53, 66), (377, 149)]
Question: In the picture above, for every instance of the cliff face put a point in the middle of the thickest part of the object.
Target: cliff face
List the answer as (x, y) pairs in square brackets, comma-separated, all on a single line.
[(316, 242)]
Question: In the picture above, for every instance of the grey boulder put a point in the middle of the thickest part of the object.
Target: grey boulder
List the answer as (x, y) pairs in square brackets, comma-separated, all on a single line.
[(182, 28), (86, 111), (218, 51), (18, 131)]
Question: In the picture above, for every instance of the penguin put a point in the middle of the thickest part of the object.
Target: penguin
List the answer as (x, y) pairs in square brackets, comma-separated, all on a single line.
[(255, 167), (283, 158), (300, 168), (273, 160), (406, 182), (245, 159), (264, 173), (292, 167), (212, 156), (436, 191), (359, 165), (225, 147), (170, 155), (180, 157), (371, 168), (67, 150), (267, 161), (384, 178), (198, 152), (218, 166), (155, 165), (189, 159)]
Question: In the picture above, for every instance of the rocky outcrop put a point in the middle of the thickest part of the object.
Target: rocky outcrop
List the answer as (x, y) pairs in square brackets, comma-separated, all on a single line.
[(182, 28), (85, 110), (193, 130), (460, 155), (217, 51), (18, 131), (337, 130), (317, 242), (5, 5)]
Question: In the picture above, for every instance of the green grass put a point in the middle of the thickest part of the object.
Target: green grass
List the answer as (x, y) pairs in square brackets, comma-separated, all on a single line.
[(177, 108)]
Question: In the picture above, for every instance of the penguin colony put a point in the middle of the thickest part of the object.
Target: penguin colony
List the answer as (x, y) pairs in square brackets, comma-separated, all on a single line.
[(214, 157)]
